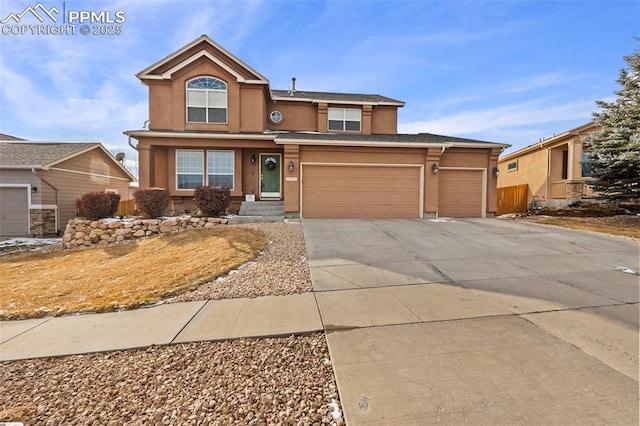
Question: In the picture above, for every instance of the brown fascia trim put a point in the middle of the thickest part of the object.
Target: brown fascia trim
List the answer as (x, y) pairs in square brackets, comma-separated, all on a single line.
[(152, 134), (389, 144)]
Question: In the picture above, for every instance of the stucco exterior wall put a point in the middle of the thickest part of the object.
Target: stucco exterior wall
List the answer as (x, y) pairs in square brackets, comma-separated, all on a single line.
[(532, 170), (297, 116), (384, 120)]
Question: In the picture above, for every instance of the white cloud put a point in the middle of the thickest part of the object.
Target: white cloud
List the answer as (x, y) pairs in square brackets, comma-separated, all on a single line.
[(493, 120)]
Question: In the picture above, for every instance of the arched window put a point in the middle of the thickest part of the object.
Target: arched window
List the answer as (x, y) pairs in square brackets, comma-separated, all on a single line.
[(206, 100)]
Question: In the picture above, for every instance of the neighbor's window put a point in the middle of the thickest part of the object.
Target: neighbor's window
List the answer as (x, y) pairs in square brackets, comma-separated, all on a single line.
[(220, 168), (206, 100), (344, 119), (189, 168), (512, 166), (586, 159)]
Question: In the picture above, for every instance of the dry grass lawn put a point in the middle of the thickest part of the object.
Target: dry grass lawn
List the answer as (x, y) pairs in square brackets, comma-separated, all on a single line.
[(628, 226), (121, 276)]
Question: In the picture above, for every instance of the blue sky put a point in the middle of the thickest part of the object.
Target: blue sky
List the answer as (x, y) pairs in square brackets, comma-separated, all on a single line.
[(503, 71)]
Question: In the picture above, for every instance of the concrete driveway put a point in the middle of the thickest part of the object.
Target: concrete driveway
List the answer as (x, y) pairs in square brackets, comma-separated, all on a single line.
[(477, 321)]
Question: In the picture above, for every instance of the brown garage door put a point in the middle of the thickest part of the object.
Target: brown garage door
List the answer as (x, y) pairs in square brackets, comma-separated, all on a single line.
[(360, 191), (14, 212), (460, 193)]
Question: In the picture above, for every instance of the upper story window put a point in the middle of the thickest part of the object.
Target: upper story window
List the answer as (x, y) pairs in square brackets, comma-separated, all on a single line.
[(512, 166), (345, 119), (206, 100)]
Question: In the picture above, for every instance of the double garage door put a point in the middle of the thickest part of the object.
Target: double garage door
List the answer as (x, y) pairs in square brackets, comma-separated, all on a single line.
[(14, 212), (374, 191), (361, 191)]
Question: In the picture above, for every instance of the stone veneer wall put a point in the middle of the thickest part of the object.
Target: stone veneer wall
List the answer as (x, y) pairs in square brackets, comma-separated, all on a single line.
[(83, 232), (42, 222)]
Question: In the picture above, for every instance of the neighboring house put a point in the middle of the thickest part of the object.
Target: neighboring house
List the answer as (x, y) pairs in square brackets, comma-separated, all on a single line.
[(554, 169), (41, 181), (213, 120)]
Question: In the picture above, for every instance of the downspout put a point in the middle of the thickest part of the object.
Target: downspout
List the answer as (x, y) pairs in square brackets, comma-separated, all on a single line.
[(33, 170), (129, 142)]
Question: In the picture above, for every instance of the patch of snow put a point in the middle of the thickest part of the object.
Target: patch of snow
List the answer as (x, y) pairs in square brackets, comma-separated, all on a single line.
[(626, 270), (440, 220), (30, 242), (336, 413), (244, 265), (326, 361)]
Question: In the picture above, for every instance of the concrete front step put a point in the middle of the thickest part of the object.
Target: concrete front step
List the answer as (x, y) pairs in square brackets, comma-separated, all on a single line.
[(262, 208), (236, 220)]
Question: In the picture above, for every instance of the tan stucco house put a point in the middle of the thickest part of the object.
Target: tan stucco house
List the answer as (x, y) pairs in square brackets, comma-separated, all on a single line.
[(554, 169), (214, 120), (41, 181)]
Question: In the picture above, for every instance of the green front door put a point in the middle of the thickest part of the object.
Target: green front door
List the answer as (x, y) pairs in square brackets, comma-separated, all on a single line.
[(270, 167)]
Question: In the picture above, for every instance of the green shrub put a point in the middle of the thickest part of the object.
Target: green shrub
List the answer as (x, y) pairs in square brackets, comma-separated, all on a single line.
[(212, 200), (98, 205), (152, 202)]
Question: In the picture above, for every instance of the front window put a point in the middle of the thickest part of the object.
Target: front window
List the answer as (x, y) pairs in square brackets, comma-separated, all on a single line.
[(220, 168), (189, 168), (344, 119), (206, 100), (586, 159)]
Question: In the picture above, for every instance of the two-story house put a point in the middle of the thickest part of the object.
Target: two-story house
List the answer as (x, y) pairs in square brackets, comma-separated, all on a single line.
[(214, 120), (555, 169)]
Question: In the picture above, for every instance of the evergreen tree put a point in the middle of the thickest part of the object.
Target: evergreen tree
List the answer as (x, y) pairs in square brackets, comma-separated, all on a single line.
[(615, 149)]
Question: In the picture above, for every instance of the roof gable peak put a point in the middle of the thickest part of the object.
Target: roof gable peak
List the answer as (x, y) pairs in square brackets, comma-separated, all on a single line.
[(202, 47)]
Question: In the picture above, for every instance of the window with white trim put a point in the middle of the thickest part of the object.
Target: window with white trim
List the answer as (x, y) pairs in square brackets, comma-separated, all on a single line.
[(220, 165), (344, 119), (512, 166), (189, 168), (206, 100)]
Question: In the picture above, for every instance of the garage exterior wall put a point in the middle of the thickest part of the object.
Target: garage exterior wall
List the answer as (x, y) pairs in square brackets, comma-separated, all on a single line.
[(41, 211), (477, 159)]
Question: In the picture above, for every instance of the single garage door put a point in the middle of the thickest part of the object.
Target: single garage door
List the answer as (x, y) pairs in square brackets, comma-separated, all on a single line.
[(360, 191), (460, 193), (14, 212)]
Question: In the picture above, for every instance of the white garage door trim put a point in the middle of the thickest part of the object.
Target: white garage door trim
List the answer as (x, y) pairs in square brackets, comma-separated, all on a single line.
[(418, 166), (484, 184)]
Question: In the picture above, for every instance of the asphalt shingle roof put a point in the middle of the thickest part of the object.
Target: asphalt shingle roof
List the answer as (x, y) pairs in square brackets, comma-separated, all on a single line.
[(4, 137), (336, 97), (38, 153), (415, 138)]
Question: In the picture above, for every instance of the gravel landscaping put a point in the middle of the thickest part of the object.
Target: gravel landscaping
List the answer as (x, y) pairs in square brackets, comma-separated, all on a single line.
[(286, 381), (281, 270), (271, 381)]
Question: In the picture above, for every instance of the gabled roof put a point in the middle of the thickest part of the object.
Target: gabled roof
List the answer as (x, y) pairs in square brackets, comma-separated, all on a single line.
[(330, 97), (546, 143), (43, 155), (166, 67), (4, 137)]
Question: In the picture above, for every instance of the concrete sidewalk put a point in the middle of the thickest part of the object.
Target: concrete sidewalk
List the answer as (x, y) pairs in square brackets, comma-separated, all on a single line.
[(159, 325)]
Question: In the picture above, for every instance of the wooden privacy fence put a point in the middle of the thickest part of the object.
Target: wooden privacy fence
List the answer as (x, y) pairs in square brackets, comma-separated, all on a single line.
[(512, 199), (125, 208)]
